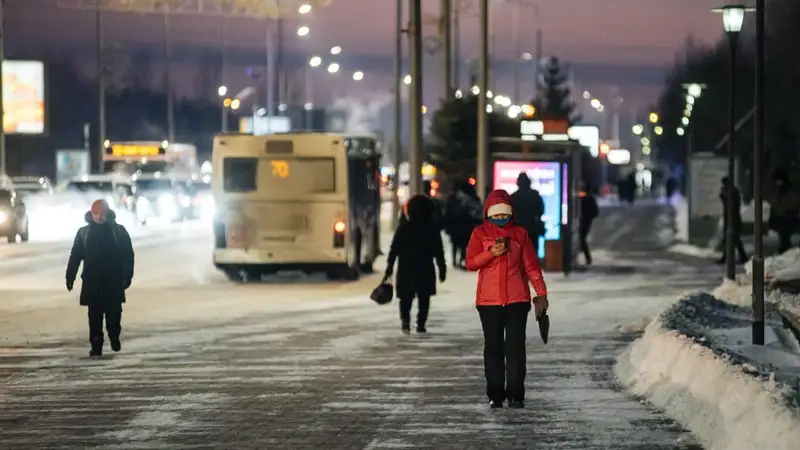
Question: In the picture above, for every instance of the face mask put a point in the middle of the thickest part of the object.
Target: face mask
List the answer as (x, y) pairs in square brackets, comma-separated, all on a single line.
[(500, 222)]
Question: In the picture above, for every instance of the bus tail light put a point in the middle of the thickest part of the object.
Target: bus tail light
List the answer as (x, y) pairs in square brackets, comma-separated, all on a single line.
[(236, 236), (339, 228)]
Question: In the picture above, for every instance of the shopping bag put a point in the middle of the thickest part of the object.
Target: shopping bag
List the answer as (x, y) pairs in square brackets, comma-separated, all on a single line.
[(383, 293)]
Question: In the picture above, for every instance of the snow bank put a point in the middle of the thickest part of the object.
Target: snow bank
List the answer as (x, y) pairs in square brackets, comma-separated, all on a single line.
[(785, 267), (693, 362)]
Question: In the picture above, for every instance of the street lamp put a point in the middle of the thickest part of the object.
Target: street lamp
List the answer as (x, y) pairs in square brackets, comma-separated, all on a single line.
[(407, 79), (336, 50), (303, 31), (333, 68), (358, 76), (222, 91), (638, 129), (235, 103), (653, 117), (732, 22), (315, 61), (304, 9)]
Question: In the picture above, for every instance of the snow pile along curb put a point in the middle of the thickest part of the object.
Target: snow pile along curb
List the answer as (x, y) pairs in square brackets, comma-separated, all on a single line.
[(729, 402)]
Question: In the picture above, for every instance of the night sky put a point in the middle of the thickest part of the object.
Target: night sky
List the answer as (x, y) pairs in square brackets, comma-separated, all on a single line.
[(627, 44)]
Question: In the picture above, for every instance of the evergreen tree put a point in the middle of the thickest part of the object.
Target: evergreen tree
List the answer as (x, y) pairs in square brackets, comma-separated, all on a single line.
[(553, 99)]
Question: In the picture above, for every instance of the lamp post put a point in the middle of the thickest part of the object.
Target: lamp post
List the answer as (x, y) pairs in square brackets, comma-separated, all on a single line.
[(732, 21), (222, 91), (758, 168), (482, 172)]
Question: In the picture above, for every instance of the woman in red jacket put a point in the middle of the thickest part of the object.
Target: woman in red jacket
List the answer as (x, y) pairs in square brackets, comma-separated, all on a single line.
[(503, 255)]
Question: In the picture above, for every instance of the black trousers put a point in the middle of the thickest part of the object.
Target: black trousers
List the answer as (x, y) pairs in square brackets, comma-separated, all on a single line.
[(738, 245), (113, 318), (583, 231), (422, 309), (504, 358)]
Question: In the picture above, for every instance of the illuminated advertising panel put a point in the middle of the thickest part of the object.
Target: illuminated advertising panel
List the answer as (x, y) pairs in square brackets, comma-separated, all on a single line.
[(587, 136), (545, 178), (23, 97)]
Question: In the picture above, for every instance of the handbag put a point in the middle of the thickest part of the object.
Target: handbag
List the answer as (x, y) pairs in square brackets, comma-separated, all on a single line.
[(383, 294)]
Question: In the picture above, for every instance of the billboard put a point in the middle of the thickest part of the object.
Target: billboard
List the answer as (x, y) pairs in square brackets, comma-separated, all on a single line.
[(23, 97), (71, 164), (545, 178)]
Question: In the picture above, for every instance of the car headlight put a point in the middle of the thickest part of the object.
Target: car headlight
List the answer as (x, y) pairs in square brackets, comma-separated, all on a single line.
[(3, 216)]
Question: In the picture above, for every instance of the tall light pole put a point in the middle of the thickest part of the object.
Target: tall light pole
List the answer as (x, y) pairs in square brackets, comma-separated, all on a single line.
[(415, 103), (445, 35), (168, 77), (398, 107), (101, 91), (732, 21), (2, 111), (758, 169), (483, 118)]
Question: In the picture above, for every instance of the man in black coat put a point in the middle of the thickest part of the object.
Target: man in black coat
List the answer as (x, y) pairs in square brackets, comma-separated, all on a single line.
[(528, 209), (417, 244), (105, 248), (736, 204)]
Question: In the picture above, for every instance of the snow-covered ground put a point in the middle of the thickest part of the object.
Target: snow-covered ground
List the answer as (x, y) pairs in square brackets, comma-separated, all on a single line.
[(301, 362), (695, 361)]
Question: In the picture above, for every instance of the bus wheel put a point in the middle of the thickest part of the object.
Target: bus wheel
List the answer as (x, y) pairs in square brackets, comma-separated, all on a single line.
[(234, 275)]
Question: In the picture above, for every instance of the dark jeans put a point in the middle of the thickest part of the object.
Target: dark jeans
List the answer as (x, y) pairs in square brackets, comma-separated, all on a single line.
[(422, 309), (113, 317), (583, 231), (504, 359), (737, 242)]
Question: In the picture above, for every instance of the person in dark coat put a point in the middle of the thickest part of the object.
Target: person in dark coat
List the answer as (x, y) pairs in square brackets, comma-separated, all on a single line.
[(589, 212), (463, 213), (417, 244), (528, 209), (736, 204), (104, 247), (784, 214)]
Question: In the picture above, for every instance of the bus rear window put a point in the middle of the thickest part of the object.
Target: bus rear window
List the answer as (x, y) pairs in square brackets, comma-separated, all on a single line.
[(298, 176), (240, 174)]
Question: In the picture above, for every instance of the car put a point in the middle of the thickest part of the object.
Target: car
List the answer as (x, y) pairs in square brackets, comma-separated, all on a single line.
[(162, 197), (32, 185), (13, 216), (119, 191)]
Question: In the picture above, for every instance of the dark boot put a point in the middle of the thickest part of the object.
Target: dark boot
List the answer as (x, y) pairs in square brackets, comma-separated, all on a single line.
[(516, 404), (97, 348), (116, 345), (406, 327), (496, 404)]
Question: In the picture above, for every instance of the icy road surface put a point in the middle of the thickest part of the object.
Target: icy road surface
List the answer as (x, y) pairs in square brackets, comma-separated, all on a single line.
[(299, 363)]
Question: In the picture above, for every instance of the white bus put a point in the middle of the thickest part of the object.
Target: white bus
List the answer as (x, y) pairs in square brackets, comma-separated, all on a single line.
[(301, 201)]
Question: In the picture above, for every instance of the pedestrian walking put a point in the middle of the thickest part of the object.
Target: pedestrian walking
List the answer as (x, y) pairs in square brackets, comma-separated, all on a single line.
[(503, 255), (104, 247), (528, 209), (736, 204), (463, 212), (416, 245), (784, 215), (589, 212)]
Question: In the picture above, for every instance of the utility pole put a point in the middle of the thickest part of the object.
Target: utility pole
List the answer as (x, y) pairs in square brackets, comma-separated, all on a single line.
[(517, 49), (3, 171), (101, 92), (758, 169), (456, 39), (483, 118), (398, 107), (445, 32), (415, 103), (168, 78), (222, 76), (539, 56)]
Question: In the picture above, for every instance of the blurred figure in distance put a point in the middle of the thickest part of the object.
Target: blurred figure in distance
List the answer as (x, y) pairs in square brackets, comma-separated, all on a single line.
[(528, 209), (104, 247)]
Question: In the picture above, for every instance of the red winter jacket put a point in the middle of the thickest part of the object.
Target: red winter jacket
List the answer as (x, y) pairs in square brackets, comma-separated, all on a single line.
[(503, 280)]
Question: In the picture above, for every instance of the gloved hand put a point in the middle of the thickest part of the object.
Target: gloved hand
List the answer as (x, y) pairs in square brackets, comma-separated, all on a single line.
[(540, 305), (442, 274), (70, 283)]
